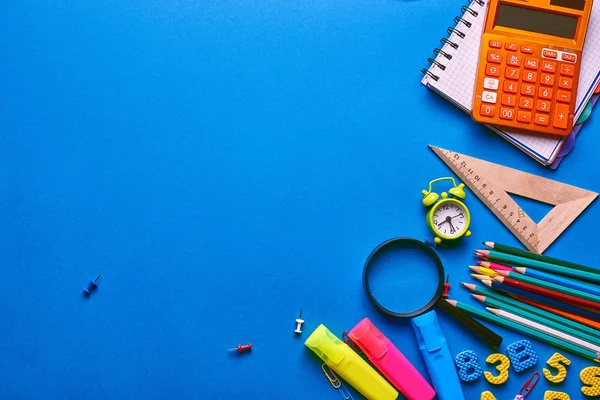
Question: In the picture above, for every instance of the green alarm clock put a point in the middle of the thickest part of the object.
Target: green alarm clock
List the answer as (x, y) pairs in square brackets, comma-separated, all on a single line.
[(448, 218)]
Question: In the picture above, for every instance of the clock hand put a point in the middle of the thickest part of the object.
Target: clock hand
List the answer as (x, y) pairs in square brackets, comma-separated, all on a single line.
[(452, 230), (459, 215)]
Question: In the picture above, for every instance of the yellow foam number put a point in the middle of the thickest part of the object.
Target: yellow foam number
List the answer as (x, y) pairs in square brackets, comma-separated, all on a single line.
[(550, 395), (555, 362), (487, 396), (590, 376), (502, 368)]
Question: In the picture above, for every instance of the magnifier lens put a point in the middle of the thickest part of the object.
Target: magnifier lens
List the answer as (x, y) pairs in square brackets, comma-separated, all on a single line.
[(403, 279)]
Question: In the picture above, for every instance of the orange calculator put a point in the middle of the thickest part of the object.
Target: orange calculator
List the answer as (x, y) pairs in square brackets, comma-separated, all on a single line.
[(529, 64)]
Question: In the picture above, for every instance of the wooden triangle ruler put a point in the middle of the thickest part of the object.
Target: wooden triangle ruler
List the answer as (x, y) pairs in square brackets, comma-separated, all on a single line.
[(492, 183)]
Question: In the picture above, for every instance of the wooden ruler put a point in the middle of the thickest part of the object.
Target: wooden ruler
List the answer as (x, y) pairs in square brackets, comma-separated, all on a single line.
[(492, 183)]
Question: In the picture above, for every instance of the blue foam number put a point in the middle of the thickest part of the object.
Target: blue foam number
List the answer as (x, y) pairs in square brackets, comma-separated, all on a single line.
[(521, 355), (469, 369)]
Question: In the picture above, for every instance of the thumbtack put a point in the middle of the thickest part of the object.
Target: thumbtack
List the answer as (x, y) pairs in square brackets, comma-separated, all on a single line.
[(91, 286), (299, 322), (446, 287), (242, 348)]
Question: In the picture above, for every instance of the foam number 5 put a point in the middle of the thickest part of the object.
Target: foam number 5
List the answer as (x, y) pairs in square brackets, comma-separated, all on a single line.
[(555, 362), (502, 369), (522, 356), (469, 369), (550, 395), (487, 396), (590, 376)]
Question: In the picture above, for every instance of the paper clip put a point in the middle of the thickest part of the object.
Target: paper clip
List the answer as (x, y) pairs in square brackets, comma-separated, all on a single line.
[(528, 386), (335, 382)]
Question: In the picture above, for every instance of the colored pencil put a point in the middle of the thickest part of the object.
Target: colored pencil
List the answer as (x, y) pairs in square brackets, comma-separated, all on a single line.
[(549, 285), (484, 271), (543, 317), (545, 329), (582, 323), (548, 293), (560, 280), (494, 266), (544, 266), (502, 248), (526, 330)]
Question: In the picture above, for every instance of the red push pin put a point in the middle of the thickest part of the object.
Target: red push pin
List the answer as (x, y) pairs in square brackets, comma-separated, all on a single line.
[(242, 348), (446, 287)]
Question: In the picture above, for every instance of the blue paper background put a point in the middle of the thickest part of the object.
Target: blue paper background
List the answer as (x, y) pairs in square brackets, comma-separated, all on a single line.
[(224, 164)]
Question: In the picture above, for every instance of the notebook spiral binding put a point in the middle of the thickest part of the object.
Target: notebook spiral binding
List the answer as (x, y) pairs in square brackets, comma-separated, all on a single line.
[(458, 29)]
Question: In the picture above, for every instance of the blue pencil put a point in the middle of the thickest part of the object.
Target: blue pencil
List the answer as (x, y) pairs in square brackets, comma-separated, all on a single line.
[(559, 280)]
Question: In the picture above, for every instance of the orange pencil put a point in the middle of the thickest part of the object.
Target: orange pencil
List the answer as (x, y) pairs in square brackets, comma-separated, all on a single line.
[(574, 317)]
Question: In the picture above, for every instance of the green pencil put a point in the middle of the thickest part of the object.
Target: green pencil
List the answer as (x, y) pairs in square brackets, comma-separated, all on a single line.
[(544, 266), (562, 326), (580, 351), (527, 310), (502, 248)]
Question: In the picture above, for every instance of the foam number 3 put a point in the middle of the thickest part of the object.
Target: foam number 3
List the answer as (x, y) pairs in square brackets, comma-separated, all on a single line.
[(550, 395), (502, 369), (555, 362), (522, 356), (487, 396), (469, 369), (590, 377)]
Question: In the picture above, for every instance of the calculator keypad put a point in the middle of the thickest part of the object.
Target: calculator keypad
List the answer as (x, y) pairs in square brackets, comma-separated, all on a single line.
[(527, 86)]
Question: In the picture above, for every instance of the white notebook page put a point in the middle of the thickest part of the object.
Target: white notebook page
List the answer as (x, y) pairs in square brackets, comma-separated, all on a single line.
[(457, 81)]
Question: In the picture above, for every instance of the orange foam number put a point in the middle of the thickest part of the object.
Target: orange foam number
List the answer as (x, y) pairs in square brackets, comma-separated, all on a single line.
[(590, 377), (487, 396), (550, 395), (502, 368), (555, 362)]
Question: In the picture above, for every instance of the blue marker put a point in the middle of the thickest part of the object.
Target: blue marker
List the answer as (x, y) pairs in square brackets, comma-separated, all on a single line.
[(91, 286)]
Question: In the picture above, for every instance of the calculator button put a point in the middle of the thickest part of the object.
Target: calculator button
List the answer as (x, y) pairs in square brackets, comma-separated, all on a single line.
[(561, 116), (530, 76), (548, 66), (492, 70), (507, 113), (509, 100), (532, 63), (544, 93), (547, 80), (542, 119), (563, 96), (547, 53), (526, 49), (512, 73), (566, 69), (524, 116), (570, 57), (490, 83), (543, 106), (527, 90), (513, 60), (565, 83), (494, 57), (487, 110), (496, 44), (510, 87), (511, 46), (526, 103), (488, 97)]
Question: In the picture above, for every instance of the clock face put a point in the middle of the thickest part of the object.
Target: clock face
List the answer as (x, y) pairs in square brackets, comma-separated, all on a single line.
[(450, 219)]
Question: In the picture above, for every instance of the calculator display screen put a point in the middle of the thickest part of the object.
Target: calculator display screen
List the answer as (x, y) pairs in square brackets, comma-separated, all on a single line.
[(539, 21)]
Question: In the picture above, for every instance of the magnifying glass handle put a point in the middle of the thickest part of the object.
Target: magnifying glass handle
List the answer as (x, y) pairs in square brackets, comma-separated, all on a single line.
[(482, 331)]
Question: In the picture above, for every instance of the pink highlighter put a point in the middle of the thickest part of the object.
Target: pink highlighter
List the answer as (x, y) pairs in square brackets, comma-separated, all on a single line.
[(390, 362)]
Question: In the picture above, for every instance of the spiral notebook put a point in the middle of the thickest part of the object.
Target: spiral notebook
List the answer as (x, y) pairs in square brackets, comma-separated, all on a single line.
[(453, 70)]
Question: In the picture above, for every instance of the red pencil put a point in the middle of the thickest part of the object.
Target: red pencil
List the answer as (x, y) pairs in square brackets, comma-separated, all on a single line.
[(494, 266), (548, 293)]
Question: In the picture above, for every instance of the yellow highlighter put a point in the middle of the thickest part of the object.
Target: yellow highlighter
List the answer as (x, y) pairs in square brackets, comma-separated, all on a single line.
[(349, 366)]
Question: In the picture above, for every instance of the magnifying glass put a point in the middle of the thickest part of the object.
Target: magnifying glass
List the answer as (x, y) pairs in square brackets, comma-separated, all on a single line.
[(404, 278)]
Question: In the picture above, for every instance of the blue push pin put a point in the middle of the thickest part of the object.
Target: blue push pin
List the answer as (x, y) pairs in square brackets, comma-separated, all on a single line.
[(91, 286)]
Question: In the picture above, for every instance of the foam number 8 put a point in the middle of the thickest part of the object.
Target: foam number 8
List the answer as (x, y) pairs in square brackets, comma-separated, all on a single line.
[(487, 396), (590, 376), (502, 369), (522, 356), (555, 362), (469, 369), (550, 395)]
